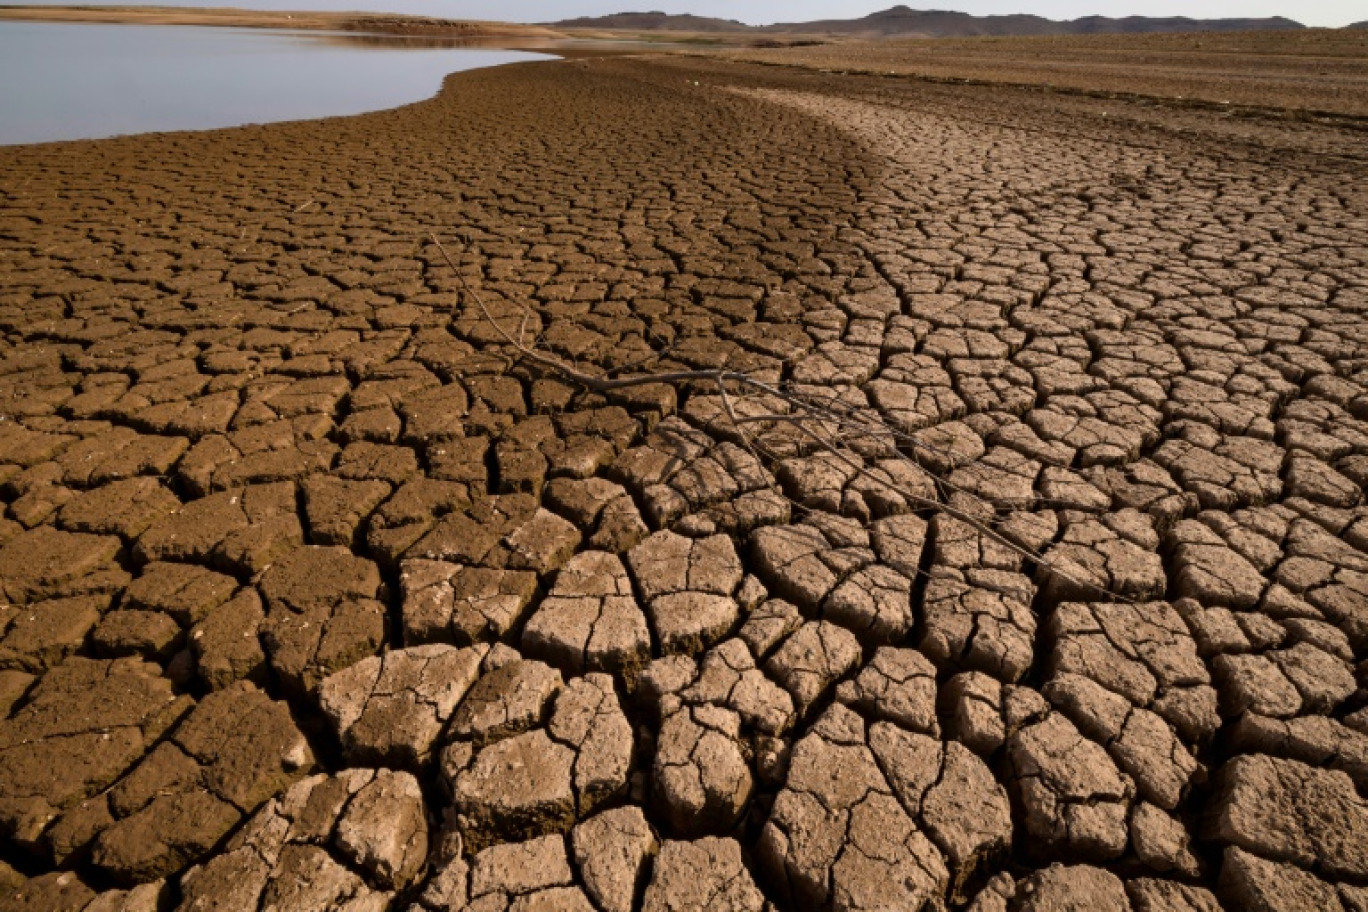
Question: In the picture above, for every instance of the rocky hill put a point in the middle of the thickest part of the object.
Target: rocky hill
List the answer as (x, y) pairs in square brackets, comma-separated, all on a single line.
[(655, 21), (903, 21)]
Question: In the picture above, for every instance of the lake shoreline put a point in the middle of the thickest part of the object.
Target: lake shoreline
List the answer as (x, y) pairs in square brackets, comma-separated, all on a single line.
[(269, 19), (77, 80)]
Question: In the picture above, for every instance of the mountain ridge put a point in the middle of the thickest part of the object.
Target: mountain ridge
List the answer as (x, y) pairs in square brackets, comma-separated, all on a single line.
[(902, 21), (656, 20)]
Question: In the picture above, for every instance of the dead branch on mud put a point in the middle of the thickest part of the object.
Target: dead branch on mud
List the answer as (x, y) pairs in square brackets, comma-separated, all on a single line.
[(809, 413)]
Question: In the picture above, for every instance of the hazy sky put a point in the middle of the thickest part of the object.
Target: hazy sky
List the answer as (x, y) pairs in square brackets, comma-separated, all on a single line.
[(1331, 13)]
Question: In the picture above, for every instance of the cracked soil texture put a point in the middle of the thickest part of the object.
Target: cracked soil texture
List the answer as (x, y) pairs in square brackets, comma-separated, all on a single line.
[(313, 596)]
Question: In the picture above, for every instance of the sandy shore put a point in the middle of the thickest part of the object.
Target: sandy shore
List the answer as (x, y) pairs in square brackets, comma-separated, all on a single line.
[(313, 592), (1313, 72)]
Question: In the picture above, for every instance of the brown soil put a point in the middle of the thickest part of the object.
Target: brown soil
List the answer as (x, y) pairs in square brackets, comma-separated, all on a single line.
[(1315, 70), (313, 596)]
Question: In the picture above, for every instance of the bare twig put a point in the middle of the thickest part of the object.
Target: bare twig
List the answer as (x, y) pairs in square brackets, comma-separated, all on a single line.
[(642, 362), (809, 412)]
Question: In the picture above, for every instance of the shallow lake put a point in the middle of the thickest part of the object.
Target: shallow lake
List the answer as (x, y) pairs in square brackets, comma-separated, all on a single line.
[(83, 81)]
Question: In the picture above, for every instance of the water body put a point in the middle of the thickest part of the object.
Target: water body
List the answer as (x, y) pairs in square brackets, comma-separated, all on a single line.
[(86, 81)]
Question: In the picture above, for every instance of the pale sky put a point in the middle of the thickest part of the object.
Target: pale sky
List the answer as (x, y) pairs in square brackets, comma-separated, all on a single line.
[(1328, 13)]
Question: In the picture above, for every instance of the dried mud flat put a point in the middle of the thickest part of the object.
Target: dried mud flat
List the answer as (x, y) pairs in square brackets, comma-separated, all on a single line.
[(314, 599), (1305, 70)]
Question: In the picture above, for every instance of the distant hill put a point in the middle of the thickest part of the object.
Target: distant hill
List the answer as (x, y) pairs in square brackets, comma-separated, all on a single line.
[(1094, 25), (902, 21), (654, 21), (1358, 25)]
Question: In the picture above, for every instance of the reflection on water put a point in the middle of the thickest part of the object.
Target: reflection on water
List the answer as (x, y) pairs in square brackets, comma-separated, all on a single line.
[(82, 81), (422, 42), (425, 42), (561, 47)]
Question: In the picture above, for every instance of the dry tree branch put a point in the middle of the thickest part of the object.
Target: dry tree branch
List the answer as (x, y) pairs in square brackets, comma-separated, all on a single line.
[(642, 362), (597, 384), (815, 412)]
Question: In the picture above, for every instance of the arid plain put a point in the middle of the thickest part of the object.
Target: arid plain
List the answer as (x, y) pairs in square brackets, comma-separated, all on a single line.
[(991, 532)]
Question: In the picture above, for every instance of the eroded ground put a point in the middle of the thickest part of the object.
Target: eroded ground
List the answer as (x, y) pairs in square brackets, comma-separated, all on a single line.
[(314, 599)]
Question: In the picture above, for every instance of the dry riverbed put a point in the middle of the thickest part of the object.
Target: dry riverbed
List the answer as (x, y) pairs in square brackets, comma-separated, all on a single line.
[(315, 596)]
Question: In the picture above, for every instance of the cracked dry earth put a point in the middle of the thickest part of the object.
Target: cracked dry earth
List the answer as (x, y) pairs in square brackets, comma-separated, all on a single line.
[(313, 598)]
